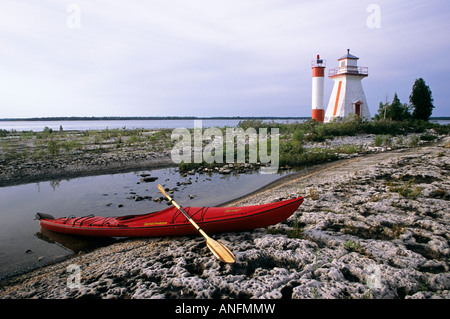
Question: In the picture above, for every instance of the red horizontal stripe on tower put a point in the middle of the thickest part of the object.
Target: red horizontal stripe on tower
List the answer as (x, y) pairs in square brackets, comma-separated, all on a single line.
[(318, 72), (318, 115)]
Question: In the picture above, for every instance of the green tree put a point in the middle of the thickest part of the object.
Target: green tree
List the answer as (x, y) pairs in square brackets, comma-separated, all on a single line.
[(382, 110), (398, 111), (395, 111), (421, 100)]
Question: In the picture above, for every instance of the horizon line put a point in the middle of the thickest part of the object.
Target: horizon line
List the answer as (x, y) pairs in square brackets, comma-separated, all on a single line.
[(125, 118), (87, 118)]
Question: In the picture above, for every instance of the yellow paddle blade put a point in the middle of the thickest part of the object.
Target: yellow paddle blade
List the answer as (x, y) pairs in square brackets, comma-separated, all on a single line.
[(220, 251)]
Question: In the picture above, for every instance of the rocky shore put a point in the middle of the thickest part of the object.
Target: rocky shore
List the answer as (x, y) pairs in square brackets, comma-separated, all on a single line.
[(376, 226), (48, 156), (83, 164)]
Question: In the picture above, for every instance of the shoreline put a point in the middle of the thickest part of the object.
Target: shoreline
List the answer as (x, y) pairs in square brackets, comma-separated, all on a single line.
[(331, 258), (69, 171), (291, 178), (73, 155)]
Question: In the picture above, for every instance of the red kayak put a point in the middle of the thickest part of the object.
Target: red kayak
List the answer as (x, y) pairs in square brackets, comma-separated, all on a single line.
[(171, 222)]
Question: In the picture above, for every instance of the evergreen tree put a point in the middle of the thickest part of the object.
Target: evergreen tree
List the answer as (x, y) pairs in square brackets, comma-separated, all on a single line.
[(398, 111), (421, 100), (382, 110), (395, 111)]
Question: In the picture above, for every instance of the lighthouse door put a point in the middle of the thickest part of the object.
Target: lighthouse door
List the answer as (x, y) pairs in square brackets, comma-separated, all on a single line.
[(358, 109)]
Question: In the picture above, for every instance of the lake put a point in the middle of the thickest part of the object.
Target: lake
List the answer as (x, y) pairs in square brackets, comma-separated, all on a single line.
[(38, 126)]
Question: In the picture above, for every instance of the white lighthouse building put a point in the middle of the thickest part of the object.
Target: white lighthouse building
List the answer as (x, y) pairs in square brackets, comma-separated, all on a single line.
[(347, 97)]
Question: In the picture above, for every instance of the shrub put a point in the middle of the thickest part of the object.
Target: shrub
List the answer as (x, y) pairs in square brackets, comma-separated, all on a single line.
[(352, 245), (4, 133), (407, 190), (53, 147), (414, 141), (299, 136), (378, 140)]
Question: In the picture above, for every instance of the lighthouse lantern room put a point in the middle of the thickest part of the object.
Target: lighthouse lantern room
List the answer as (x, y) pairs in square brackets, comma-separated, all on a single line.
[(347, 97)]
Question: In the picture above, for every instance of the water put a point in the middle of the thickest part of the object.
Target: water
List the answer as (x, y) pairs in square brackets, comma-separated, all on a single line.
[(38, 126), (24, 246), (440, 122)]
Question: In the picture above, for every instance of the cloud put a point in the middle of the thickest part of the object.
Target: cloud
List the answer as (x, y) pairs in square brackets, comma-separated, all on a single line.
[(186, 57)]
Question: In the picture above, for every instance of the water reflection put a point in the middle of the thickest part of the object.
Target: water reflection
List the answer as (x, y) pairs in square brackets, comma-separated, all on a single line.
[(55, 184), (75, 244)]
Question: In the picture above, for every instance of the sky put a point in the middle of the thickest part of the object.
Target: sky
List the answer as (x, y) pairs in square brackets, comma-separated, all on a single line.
[(212, 57)]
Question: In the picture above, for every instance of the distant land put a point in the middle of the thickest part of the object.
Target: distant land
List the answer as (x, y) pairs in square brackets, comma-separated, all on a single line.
[(134, 118), (144, 118)]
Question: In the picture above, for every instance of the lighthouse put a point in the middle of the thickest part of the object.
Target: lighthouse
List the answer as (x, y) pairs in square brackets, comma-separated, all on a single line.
[(347, 98), (318, 73)]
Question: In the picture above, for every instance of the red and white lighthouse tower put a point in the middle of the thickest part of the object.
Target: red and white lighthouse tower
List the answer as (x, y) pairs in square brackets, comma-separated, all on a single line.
[(318, 74)]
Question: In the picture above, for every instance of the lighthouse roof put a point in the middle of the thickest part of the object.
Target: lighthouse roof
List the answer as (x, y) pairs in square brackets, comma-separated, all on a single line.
[(348, 56)]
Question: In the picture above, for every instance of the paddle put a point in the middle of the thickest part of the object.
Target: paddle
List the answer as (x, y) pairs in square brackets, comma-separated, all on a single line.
[(220, 251)]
